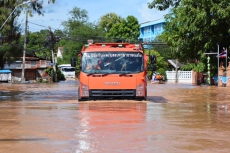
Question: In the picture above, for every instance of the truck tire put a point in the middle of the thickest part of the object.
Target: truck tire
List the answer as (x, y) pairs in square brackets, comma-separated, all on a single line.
[(79, 99), (145, 98)]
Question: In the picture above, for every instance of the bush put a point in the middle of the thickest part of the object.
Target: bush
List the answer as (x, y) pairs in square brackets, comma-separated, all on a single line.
[(161, 64), (60, 76)]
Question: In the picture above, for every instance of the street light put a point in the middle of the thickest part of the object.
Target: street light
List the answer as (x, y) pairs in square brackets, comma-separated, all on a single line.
[(31, 1)]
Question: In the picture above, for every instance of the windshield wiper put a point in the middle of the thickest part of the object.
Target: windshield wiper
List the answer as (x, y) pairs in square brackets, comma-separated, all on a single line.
[(98, 74), (126, 74), (90, 74), (105, 74)]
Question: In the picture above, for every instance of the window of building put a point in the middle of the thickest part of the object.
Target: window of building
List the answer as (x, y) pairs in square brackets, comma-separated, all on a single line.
[(147, 30), (157, 27), (32, 62)]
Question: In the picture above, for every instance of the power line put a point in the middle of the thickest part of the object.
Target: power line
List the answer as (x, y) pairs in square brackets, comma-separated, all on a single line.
[(42, 25), (39, 25)]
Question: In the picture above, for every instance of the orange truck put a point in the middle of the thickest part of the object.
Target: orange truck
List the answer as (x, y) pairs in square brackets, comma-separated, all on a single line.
[(114, 70)]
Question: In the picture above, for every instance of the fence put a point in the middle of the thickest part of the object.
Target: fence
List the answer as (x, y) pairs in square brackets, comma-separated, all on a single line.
[(183, 76)]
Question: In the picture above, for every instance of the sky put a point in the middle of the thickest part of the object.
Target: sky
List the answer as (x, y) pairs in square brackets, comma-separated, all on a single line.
[(55, 14)]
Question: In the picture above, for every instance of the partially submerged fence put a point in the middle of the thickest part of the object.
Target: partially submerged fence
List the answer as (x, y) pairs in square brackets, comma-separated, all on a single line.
[(182, 76)]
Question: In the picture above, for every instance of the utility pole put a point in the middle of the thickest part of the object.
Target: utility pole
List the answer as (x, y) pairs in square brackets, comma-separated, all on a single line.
[(176, 80), (24, 51), (176, 77), (52, 42)]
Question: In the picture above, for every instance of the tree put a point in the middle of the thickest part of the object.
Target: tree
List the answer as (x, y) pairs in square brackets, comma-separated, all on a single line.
[(78, 14), (77, 30), (160, 64), (163, 5), (108, 20), (195, 27), (37, 44), (162, 48), (11, 47), (129, 29)]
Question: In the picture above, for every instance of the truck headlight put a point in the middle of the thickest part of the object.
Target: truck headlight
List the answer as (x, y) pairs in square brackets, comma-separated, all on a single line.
[(140, 90), (84, 90)]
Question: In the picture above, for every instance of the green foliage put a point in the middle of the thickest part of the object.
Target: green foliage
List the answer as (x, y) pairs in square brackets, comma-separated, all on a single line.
[(162, 48), (78, 28), (163, 5), (10, 30), (49, 70), (9, 53), (108, 20), (129, 28), (195, 27), (13, 48), (78, 14), (76, 33), (160, 64), (35, 45), (198, 67), (60, 76)]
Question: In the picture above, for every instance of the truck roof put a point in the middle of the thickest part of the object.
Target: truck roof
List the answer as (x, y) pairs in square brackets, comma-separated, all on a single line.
[(64, 65), (113, 47)]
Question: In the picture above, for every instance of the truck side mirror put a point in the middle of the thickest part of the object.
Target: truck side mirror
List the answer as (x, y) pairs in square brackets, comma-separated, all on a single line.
[(73, 62)]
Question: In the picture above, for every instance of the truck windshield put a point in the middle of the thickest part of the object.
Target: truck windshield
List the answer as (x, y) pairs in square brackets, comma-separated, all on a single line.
[(112, 62)]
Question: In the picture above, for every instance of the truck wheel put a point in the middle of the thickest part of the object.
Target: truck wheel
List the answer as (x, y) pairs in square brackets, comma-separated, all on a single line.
[(145, 98), (79, 99)]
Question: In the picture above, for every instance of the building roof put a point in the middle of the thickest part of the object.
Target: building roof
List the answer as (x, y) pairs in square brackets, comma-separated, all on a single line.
[(29, 58), (5, 71), (173, 63), (149, 23)]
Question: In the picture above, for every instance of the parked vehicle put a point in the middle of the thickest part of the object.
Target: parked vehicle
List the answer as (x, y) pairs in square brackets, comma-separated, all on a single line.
[(5, 75), (67, 70)]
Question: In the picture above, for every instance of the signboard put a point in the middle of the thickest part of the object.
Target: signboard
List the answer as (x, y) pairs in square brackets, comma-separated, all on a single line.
[(52, 64)]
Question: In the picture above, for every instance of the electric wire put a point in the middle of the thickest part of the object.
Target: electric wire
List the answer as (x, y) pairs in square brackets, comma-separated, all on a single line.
[(42, 25)]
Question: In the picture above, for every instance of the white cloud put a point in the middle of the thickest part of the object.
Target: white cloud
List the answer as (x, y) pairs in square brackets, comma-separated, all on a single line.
[(150, 14)]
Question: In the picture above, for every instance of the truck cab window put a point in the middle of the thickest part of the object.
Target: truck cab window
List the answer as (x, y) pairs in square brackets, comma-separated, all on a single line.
[(112, 62)]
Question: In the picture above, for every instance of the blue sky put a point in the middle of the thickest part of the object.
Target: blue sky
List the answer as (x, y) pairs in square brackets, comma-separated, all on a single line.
[(55, 14)]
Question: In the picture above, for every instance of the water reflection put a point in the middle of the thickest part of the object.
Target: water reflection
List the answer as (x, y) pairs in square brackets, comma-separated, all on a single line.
[(223, 113), (102, 122), (63, 90), (25, 139), (176, 118)]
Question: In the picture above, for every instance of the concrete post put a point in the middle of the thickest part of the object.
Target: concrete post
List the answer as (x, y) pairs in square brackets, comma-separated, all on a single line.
[(228, 75), (221, 73), (194, 77)]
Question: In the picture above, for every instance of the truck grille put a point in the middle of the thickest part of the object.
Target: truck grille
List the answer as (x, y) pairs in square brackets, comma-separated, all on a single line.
[(112, 93)]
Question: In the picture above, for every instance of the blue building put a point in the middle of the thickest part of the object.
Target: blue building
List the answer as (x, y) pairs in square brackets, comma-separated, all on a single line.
[(151, 29)]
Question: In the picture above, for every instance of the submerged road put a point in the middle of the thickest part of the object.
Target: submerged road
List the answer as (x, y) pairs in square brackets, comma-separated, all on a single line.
[(47, 118)]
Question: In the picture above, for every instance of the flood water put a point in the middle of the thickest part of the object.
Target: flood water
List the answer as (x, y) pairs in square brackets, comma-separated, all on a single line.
[(47, 118)]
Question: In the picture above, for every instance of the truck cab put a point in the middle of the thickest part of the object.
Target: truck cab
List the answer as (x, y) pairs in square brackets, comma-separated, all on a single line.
[(112, 71)]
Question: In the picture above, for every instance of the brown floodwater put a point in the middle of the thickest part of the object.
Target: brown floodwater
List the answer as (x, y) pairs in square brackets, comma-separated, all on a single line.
[(47, 118)]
